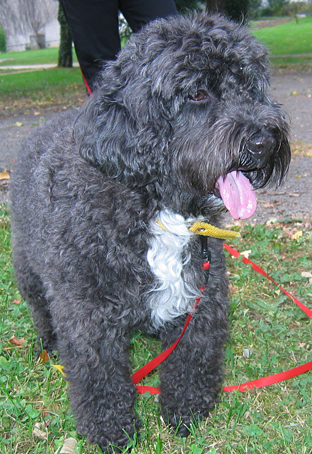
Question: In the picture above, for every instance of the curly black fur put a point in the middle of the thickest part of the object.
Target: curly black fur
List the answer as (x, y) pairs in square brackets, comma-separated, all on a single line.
[(185, 103)]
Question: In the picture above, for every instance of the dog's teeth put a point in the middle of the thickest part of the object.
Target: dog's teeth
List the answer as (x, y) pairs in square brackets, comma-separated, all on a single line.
[(237, 194)]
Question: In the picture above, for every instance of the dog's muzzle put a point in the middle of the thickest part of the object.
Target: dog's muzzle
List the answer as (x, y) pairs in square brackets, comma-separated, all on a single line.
[(259, 148), (235, 188)]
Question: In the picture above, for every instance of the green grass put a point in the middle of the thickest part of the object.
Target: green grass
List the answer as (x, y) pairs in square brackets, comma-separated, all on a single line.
[(25, 84), (264, 322), (40, 88), (33, 57), (288, 38), (61, 87)]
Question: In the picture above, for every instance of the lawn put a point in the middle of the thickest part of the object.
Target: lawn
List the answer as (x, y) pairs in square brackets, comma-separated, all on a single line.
[(289, 38), (57, 88), (34, 57), (269, 334), (25, 90)]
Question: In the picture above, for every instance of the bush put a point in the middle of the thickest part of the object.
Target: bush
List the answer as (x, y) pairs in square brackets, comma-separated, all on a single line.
[(2, 40)]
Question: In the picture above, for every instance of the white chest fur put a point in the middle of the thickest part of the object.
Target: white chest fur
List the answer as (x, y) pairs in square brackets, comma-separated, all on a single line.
[(167, 256)]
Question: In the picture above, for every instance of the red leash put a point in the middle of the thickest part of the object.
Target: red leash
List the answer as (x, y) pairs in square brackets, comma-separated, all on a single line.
[(237, 255), (151, 365), (261, 382)]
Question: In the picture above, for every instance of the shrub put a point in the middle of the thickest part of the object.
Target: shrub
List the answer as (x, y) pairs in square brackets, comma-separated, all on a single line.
[(2, 40)]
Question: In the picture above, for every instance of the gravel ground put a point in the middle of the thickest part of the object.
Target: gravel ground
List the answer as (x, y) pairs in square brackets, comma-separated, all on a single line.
[(294, 198)]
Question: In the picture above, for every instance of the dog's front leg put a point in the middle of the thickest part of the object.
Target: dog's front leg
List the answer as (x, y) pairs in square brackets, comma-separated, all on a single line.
[(192, 375), (101, 392)]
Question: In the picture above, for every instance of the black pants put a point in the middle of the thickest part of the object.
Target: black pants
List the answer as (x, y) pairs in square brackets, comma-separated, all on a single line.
[(94, 27)]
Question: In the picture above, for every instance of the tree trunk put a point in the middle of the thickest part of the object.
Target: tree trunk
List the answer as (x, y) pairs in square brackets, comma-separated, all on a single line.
[(236, 10), (215, 6), (65, 59)]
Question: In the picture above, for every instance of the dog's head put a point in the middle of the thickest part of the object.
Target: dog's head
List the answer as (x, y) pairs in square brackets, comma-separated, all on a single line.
[(185, 110)]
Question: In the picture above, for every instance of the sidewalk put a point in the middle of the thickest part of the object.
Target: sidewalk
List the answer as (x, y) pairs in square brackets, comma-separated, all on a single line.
[(31, 67)]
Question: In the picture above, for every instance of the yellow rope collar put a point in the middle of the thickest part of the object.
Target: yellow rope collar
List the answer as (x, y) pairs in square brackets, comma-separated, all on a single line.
[(202, 228), (205, 229)]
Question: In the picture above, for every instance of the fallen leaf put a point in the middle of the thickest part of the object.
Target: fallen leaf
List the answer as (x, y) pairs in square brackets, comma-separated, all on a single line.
[(59, 368), (15, 341), (68, 447), (16, 302), (297, 235), (18, 123), (295, 93), (37, 113), (233, 289), (268, 205), (38, 432), (306, 274), (246, 254), (4, 176), (44, 356)]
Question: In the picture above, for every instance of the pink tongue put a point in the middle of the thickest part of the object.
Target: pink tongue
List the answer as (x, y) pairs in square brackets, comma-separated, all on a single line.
[(237, 195)]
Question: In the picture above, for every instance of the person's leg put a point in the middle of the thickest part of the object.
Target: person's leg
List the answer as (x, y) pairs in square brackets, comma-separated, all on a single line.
[(94, 29), (140, 12)]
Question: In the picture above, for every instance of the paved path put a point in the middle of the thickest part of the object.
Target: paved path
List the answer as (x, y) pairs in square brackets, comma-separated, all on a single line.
[(30, 67)]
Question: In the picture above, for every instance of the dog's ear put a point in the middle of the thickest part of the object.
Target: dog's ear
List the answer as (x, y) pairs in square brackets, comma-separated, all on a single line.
[(124, 130)]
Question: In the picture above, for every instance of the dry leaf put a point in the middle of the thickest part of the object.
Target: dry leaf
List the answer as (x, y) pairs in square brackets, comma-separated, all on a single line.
[(18, 123), (246, 253), (297, 235), (38, 432), (15, 341), (16, 302), (306, 274), (4, 176), (59, 368), (44, 356), (68, 447)]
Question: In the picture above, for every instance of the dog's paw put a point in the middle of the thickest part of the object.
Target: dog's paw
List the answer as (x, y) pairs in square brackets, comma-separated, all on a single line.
[(109, 448), (180, 425), (117, 440), (184, 425)]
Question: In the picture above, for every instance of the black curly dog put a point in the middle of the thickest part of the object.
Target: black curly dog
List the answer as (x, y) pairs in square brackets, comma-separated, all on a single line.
[(180, 127)]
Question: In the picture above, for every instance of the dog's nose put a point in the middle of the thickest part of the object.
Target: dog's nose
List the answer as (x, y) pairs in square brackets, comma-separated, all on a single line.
[(260, 146)]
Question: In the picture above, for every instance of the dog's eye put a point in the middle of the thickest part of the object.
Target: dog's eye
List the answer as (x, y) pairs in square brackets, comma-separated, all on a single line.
[(201, 95)]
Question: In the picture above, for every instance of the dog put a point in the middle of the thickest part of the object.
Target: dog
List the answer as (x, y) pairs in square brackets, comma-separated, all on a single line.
[(180, 128)]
